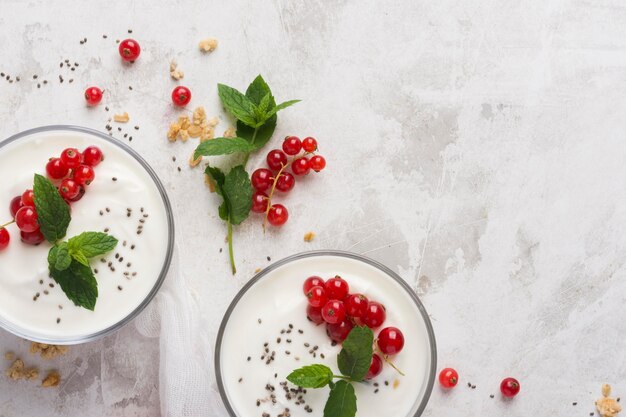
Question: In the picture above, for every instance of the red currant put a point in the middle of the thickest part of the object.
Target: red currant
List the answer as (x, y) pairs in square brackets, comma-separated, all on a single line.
[(285, 182), (15, 205), (259, 202), (300, 166), (32, 238), (337, 288), (181, 96), (4, 238), (448, 378), (277, 215), (314, 314), (81, 193), (261, 179), (310, 282), (292, 145), (376, 367), (84, 175), (375, 315), (71, 157), (93, 95), (56, 169), (317, 297), (309, 144), (356, 305), (317, 163), (339, 332), (390, 340), (276, 159), (334, 312), (92, 156), (129, 50), (28, 198), (26, 219), (69, 189), (509, 387)]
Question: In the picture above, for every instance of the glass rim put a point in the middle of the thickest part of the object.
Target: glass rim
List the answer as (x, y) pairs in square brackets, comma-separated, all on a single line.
[(74, 340), (345, 254)]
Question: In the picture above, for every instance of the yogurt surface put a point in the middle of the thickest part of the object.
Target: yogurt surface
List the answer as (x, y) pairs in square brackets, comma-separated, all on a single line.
[(122, 197), (272, 312)]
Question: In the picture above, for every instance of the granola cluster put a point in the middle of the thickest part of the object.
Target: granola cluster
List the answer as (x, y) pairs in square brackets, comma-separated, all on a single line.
[(607, 406), (47, 351)]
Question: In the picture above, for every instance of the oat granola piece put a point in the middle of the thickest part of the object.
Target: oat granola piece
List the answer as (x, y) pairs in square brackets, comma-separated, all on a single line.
[(231, 132), (183, 135), (309, 236), (184, 122), (47, 351), (208, 133), (51, 380), (172, 133), (195, 131), (121, 118), (175, 73), (608, 406), (199, 116), (19, 371), (208, 45), (213, 121), (9, 356)]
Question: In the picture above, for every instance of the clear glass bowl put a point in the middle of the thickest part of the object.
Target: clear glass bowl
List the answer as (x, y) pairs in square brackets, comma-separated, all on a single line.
[(263, 279), (25, 333)]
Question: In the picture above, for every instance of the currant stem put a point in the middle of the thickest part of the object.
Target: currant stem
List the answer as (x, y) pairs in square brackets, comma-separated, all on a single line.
[(2, 226), (230, 247), (269, 198), (386, 359)]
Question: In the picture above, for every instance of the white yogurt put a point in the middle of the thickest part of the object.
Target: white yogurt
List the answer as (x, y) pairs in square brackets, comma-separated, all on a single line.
[(22, 267), (278, 301)]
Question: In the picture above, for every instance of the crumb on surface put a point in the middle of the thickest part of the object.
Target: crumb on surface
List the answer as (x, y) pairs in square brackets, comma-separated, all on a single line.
[(121, 118), (231, 132), (19, 371), (607, 406), (175, 73), (51, 380), (9, 356), (48, 351), (396, 383), (256, 271), (309, 236), (207, 45)]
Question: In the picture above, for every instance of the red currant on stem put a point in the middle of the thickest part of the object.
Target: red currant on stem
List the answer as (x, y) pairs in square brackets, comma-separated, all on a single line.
[(92, 156), (375, 315), (317, 163), (309, 144), (69, 189), (300, 166), (314, 314), (376, 367), (334, 312), (261, 179), (181, 96), (292, 145), (32, 238), (28, 198), (339, 332), (56, 169), (71, 158), (509, 387), (390, 340), (84, 175), (337, 288), (316, 297), (448, 378), (259, 202), (26, 219), (129, 50), (285, 182), (276, 160), (93, 96), (277, 215), (81, 193), (5, 238), (15, 205), (312, 281), (356, 305)]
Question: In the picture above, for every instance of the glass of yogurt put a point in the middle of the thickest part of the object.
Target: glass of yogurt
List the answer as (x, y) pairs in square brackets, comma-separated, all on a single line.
[(125, 195), (265, 335)]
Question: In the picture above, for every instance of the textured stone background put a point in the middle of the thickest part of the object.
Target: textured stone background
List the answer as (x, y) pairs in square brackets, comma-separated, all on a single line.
[(476, 148)]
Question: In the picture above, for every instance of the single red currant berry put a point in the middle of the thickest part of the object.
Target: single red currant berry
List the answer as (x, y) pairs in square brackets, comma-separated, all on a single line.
[(81, 193), (84, 175), (92, 156), (448, 378), (276, 159), (259, 202), (339, 332), (15, 205), (300, 166), (285, 182), (69, 189), (312, 281), (356, 305), (71, 157), (375, 315), (28, 198), (337, 288), (334, 312), (309, 144), (314, 314), (317, 297), (56, 169), (292, 145), (390, 340), (4, 238), (317, 163), (261, 179), (26, 219), (32, 238), (93, 96), (509, 387), (181, 96), (277, 215), (376, 367), (129, 50)]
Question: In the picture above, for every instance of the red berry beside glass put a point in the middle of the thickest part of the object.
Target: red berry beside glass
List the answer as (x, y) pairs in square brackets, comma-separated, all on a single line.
[(448, 378), (509, 387)]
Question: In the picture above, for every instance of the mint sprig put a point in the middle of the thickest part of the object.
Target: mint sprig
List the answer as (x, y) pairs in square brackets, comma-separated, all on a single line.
[(353, 361), (52, 210)]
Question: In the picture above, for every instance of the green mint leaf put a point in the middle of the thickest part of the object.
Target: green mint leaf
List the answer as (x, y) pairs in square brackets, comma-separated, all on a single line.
[(356, 356), (237, 191), (63, 258), (256, 91), (280, 107), (223, 146), (341, 401), (77, 282), (238, 104), (91, 244), (80, 257), (218, 178), (312, 376), (264, 105), (53, 211)]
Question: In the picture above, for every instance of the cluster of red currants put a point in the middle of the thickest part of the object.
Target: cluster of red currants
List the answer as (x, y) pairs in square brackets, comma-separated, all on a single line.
[(330, 302), (276, 177), (448, 378), (73, 171)]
